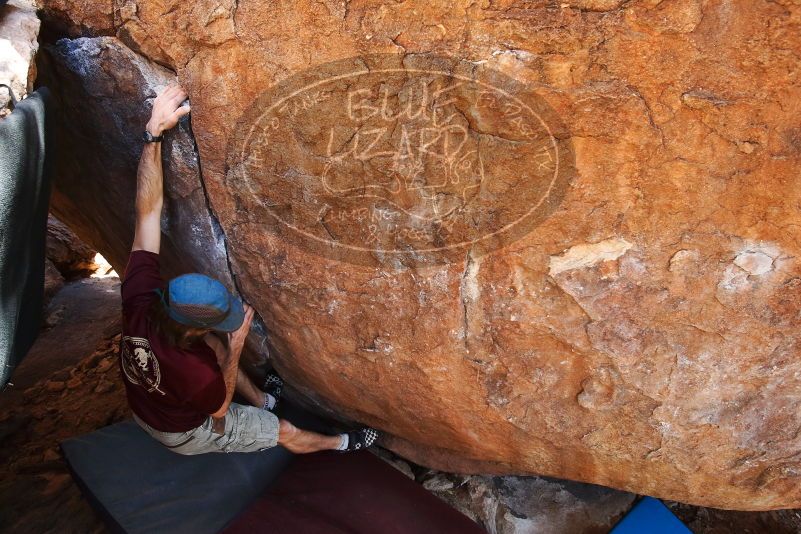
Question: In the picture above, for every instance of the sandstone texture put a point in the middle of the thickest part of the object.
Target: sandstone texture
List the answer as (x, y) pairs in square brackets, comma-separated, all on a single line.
[(19, 29), (638, 329)]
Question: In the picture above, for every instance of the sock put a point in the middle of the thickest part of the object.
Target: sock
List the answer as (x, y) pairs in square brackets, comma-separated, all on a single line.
[(344, 443), (269, 401)]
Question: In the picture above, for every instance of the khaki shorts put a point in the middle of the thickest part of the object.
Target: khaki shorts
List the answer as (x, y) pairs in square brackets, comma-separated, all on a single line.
[(247, 429)]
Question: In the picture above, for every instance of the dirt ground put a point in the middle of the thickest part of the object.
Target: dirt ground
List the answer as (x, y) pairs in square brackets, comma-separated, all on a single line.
[(68, 385)]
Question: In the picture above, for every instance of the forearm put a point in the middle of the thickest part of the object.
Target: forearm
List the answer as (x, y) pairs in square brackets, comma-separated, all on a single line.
[(242, 384), (228, 359), (149, 181), (167, 110), (230, 370), (149, 199)]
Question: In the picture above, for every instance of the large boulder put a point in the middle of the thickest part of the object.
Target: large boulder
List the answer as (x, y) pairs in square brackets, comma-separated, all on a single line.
[(551, 238)]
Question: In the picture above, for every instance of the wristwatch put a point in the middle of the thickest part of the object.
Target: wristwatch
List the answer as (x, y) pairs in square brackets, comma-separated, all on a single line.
[(150, 138)]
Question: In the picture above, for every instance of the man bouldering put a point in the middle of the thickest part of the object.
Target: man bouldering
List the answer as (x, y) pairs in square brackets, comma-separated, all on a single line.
[(179, 376)]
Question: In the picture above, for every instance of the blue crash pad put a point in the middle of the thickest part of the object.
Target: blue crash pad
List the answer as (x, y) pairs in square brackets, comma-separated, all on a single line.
[(650, 516)]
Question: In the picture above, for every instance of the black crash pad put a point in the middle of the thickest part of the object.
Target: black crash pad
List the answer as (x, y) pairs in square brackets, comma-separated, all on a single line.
[(26, 147), (139, 485)]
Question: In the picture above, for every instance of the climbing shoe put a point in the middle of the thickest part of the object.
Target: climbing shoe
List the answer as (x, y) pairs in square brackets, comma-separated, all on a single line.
[(273, 385), (360, 439)]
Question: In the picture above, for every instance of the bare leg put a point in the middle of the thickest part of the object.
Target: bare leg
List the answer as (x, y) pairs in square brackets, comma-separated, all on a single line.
[(246, 388), (293, 438), (302, 441)]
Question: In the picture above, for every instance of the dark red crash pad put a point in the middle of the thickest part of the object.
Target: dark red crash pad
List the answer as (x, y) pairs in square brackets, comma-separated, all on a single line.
[(336, 493)]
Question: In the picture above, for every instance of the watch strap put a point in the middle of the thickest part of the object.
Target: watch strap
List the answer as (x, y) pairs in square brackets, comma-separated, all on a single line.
[(150, 138)]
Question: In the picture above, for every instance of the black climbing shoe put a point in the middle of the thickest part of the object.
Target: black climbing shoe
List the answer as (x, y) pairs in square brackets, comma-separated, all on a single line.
[(273, 385), (361, 439)]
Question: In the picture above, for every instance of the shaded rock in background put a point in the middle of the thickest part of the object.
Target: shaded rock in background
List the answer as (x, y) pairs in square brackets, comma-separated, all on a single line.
[(644, 336), (524, 505), (71, 256), (398, 463), (528, 505), (19, 30), (53, 281), (76, 318)]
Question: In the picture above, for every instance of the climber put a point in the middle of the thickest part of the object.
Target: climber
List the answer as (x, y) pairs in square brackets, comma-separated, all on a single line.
[(179, 376)]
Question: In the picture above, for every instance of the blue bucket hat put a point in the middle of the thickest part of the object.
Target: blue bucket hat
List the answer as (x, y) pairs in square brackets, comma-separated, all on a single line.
[(201, 302)]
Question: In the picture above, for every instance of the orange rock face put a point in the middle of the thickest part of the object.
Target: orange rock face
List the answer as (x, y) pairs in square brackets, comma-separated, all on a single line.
[(553, 238)]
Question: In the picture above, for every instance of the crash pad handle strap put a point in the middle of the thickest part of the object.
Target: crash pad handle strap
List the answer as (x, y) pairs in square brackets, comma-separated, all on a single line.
[(10, 94)]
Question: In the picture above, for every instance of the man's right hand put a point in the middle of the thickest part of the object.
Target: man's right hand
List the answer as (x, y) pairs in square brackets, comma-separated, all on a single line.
[(236, 339), (167, 110)]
